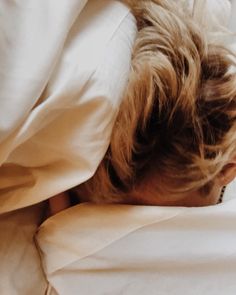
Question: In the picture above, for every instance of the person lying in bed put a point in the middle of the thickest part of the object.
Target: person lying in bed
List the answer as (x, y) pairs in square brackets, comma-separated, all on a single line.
[(174, 140)]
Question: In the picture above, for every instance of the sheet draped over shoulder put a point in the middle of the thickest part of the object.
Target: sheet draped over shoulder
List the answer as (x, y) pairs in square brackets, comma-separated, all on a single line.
[(62, 76)]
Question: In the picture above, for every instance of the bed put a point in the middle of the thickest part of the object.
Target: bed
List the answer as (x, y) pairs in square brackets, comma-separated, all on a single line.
[(44, 148)]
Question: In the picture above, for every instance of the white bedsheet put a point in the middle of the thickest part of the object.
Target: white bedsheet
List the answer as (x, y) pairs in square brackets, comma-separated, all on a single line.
[(120, 249), (62, 76), (63, 70), (21, 272)]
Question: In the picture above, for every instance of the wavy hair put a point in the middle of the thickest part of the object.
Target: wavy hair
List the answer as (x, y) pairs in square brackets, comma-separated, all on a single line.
[(177, 120)]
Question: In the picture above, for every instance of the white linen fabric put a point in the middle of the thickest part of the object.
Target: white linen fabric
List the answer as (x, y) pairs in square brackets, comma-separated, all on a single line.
[(64, 66), (21, 272), (214, 15), (120, 249), (62, 76), (232, 23)]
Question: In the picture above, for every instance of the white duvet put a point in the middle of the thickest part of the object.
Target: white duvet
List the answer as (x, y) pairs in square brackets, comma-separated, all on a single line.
[(61, 81)]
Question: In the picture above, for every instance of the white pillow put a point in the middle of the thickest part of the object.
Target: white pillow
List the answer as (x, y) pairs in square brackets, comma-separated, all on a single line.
[(120, 249)]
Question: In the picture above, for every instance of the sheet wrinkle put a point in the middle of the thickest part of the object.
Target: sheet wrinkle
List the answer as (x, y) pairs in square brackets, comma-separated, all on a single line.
[(31, 126), (98, 67), (21, 132), (18, 256), (50, 100), (166, 266), (39, 253), (77, 8)]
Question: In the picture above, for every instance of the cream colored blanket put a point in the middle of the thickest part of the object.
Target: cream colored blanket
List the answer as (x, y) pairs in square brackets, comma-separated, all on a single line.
[(62, 76), (136, 250)]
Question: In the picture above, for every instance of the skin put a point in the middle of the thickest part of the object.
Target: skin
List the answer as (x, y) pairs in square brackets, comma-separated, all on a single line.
[(148, 196), (58, 203)]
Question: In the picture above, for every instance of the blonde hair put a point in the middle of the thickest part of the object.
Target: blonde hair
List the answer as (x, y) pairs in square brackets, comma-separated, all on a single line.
[(177, 118)]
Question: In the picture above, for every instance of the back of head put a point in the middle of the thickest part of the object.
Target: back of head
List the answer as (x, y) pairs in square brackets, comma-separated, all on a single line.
[(177, 120)]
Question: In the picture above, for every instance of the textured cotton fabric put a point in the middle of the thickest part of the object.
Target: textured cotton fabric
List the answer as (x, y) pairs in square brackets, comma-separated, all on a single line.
[(88, 249), (120, 249), (64, 67), (63, 71)]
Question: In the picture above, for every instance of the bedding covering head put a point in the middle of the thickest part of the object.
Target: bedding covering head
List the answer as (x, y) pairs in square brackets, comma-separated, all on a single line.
[(174, 141)]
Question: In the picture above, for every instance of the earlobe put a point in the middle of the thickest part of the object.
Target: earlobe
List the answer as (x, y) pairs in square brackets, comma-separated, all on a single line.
[(228, 173)]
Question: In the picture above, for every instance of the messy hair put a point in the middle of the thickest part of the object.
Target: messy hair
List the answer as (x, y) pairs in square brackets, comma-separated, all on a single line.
[(177, 118)]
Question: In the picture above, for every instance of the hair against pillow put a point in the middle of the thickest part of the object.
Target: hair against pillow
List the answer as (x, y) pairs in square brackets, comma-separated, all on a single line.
[(177, 118)]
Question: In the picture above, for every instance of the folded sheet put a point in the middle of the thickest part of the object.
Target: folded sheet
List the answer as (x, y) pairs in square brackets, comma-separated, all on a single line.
[(21, 272), (63, 71), (120, 249)]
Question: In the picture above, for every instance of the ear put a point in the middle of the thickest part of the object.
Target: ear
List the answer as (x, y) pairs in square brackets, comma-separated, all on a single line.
[(228, 173)]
